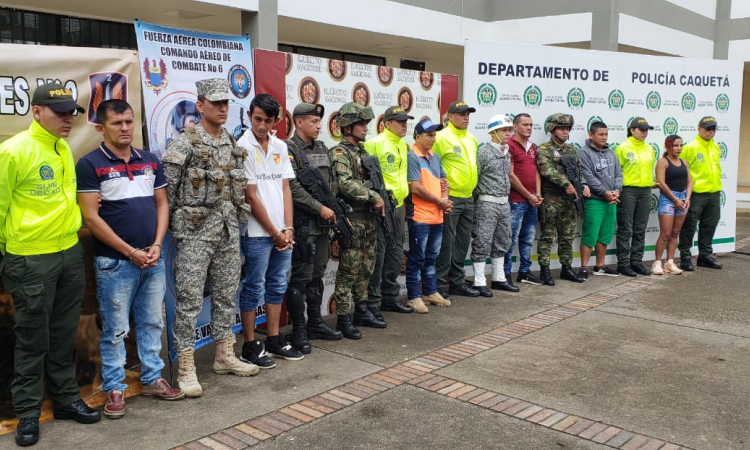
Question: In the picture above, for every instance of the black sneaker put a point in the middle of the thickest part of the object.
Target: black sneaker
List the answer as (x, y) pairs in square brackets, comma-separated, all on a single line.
[(605, 271), (528, 277), (640, 269), (583, 273), (254, 353), (280, 348)]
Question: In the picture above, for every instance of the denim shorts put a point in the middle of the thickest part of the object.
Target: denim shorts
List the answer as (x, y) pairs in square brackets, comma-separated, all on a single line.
[(666, 206)]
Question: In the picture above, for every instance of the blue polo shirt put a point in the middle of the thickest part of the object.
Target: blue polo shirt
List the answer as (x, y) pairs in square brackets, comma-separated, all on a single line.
[(127, 194)]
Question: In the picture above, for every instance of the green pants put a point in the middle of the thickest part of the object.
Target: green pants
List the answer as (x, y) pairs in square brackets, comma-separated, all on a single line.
[(384, 283), (632, 219), (706, 209), (47, 295), (355, 266), (306, 275), (457, 228)]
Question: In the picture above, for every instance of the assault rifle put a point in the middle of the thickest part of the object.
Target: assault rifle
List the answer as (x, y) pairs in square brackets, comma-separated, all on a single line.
[(570, 164), (376, 183), (315, 183)]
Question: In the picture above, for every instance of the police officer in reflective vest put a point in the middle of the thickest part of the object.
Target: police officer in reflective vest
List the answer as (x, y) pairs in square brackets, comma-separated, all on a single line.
[(312, 249)]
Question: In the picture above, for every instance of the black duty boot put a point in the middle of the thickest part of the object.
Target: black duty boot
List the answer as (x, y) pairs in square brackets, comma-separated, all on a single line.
[(567, 273), (296, 306), (364, 318), (545, 276), (376, 313), (316, 327), (344, 324), (27, 432), (395, 306)]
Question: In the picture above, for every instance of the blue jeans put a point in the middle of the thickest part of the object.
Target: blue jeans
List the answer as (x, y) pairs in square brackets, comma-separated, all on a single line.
[(120, 287), (424, 245), (523, 230), (266, 272)]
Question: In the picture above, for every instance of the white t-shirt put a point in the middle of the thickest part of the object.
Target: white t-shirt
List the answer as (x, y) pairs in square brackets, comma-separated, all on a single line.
[(267, 171)]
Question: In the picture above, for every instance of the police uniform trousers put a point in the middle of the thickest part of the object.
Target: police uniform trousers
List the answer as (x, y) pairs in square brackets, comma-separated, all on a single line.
[(706, 209), (47, 295), (456, 239), (491, 232), (632, 220), (196, 259), (307, 275), (559, 215), (356, 263), (384, 283)]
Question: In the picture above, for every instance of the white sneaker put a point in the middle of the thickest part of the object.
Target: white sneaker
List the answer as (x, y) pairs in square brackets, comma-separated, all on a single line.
[(656, 268)]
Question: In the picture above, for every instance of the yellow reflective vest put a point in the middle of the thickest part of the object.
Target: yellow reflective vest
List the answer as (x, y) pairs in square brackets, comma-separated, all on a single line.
[(38, 209), (457, 150), (637, 162), (704, 159), (391, 152)]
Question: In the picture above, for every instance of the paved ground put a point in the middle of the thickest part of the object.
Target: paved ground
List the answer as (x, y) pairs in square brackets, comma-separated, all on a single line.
[(650, 363)]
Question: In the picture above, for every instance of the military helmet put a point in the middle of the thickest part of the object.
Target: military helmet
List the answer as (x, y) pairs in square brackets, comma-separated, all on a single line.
[(352, 113), (558, 120)]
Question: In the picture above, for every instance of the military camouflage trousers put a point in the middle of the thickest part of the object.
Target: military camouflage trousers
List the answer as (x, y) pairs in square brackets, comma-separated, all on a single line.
[(557, 218), (356, 264), (195, 261), (491, 231)]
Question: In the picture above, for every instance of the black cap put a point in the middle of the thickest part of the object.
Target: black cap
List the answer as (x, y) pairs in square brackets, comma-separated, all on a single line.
[(426, 126), (640, 123), (460, 106), (57, 97), (308, 109), (396, 113), (708, 121)]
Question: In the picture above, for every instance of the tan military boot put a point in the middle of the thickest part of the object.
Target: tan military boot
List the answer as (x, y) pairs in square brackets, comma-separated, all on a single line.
[(418, 305), (436, 299), (226, 362), (187, 380)]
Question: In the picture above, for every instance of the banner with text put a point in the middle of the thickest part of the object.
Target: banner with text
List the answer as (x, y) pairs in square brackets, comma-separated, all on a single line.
[(92, 77), (671, 93), (172, 60)]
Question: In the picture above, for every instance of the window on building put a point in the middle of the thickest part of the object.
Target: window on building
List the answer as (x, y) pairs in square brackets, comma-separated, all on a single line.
[(35, 28), (332, 54)]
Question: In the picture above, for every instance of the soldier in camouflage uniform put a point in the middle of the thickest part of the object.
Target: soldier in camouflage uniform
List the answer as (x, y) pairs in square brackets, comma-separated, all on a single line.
[(491, 232), (357, 258), (206, 193), (312, 251), (557, 215)]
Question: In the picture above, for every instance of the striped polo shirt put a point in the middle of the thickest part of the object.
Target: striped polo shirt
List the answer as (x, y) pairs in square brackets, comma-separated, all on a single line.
[(427, 170), (127, 194)]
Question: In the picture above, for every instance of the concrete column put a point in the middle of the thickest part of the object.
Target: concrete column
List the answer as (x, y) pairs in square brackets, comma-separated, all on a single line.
[(605, 29), (263, 25), (723, 18)]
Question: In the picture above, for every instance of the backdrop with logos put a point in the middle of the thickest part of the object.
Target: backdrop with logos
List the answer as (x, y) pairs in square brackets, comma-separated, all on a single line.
[(671, 93)]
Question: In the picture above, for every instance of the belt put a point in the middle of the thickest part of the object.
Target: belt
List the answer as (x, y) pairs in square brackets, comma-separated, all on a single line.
[(493, 198)]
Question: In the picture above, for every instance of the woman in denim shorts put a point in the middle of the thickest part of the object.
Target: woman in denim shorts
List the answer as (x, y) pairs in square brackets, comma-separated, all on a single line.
[(673, 177)]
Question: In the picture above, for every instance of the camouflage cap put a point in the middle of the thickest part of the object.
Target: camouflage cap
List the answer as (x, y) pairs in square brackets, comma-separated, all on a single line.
[(559, 120), (308, 109), (213, 89), (352, 112)]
